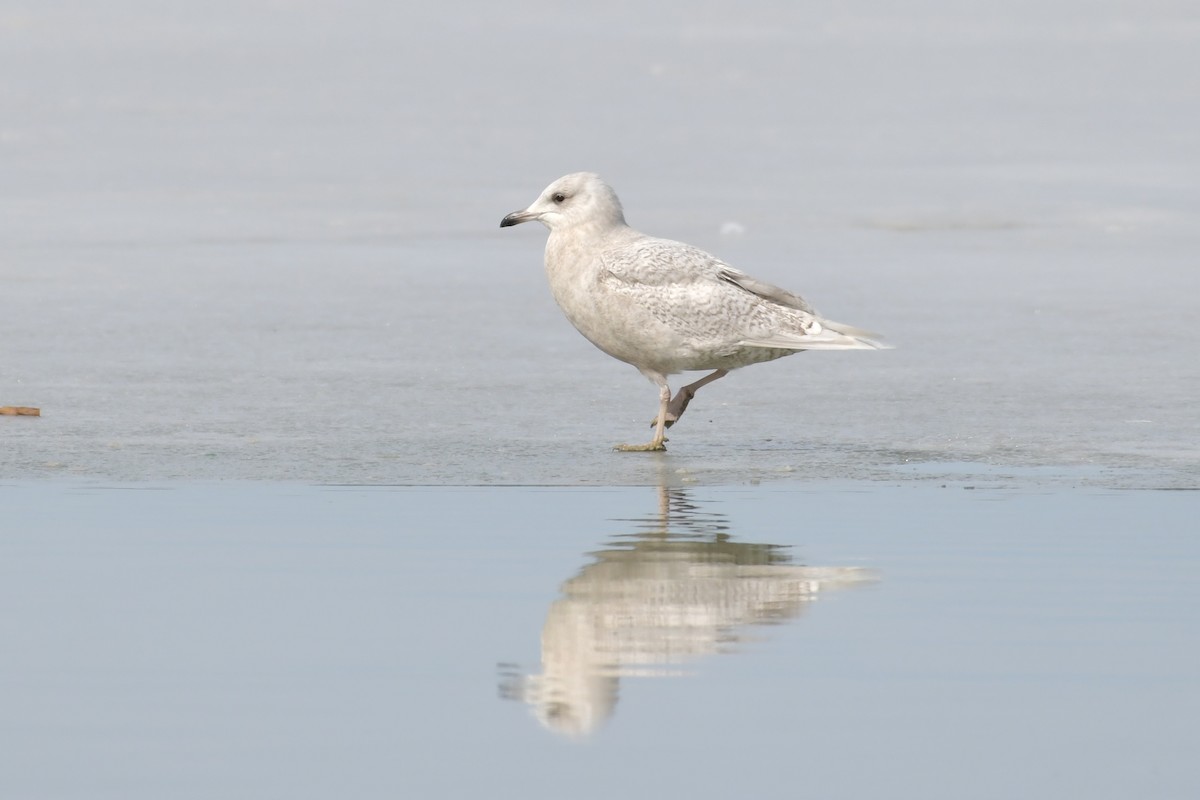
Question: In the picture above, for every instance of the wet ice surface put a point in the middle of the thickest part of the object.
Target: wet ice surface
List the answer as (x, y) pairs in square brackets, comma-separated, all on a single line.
[(251, 640), (250, 243), (250, 255), (335, 364)]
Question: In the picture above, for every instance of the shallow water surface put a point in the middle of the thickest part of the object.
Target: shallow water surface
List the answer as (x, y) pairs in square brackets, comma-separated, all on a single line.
[(846, 640)]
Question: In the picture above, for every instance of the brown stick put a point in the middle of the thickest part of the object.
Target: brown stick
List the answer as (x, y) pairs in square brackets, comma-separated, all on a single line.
[(20, 411)]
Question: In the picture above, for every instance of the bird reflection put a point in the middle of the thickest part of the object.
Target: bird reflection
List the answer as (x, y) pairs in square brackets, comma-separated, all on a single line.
[(674, 589)]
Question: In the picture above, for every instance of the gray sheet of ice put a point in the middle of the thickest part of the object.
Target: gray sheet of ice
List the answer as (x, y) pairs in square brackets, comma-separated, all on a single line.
[(240, 241)]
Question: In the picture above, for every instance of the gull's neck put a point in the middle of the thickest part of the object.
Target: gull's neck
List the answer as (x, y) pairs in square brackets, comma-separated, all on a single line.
[(592, 233)]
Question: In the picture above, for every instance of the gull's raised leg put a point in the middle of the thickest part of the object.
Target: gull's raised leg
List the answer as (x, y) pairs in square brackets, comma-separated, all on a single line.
[(684, 396), (660, 424)]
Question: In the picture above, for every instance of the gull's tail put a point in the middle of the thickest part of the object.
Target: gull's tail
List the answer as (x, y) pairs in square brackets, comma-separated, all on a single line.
[(823, 335)]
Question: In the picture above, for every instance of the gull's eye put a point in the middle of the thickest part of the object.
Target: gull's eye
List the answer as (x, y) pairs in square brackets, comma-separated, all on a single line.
[(558, 197)]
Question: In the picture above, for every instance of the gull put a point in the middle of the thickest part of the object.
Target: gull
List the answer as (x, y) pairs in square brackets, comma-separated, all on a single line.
[(666, 307)]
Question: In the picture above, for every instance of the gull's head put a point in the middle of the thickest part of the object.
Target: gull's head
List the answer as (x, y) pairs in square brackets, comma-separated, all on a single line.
[(581, 198)]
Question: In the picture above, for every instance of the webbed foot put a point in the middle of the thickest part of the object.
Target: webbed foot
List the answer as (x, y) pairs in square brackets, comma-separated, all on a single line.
[(648, 447)]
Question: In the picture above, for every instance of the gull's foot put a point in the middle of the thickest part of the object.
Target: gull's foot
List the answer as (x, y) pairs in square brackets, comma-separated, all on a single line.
[(648, 447)]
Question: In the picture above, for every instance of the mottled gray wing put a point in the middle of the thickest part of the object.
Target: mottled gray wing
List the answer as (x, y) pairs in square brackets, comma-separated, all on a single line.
[(660, 262), (765, 290), (705, 299), (814, 332), (696, 294)]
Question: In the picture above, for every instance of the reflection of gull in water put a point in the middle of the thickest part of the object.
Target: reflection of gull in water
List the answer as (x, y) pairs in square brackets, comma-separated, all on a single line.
[(674, 591)]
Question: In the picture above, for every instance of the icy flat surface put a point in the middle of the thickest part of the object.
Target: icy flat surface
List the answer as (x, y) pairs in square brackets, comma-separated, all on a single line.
[(258, 241)]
